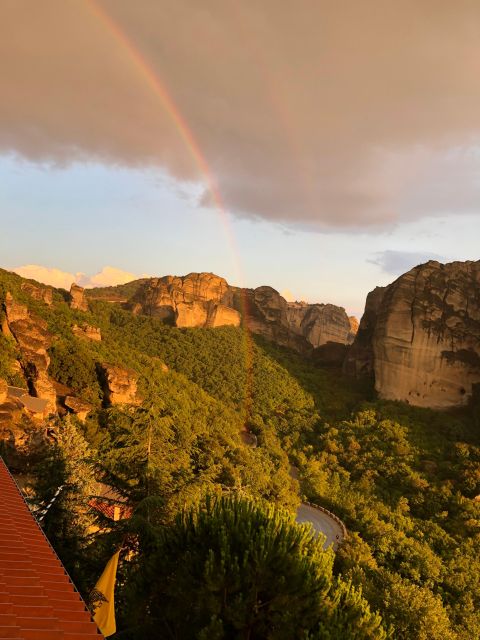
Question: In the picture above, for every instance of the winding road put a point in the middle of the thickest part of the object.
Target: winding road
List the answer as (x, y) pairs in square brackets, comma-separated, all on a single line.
[(321, 523)]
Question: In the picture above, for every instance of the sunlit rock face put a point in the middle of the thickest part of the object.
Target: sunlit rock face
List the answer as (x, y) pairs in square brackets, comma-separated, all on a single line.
[(31, 335), (78, 298), (119, 384), (320, 323), (206, 300), (43, 294), (195, 300), (422, 336)]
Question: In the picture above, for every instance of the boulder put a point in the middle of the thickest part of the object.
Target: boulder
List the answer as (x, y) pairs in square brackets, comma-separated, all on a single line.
[(421, 336), (119, 384), (87, 331), (78, 299), (78, 406)]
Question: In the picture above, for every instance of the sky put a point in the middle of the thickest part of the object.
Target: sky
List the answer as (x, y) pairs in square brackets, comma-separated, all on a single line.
[(322, 148)]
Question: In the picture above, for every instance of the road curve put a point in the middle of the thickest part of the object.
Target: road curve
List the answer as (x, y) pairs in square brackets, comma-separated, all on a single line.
[(321, 523)]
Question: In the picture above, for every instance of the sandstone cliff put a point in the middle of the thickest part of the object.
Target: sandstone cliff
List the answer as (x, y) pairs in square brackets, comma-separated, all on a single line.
[(195, 300), (320, 323), (421, 336), (78, 299), (43, 294), (31, 335), (359, 360), (119, 384), (206, 300)]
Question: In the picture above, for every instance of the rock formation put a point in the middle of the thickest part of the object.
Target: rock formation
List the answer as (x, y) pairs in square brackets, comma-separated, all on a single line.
[(421, 336), (78, 299), (119, 384), (87, 331), (30, 333), (359, 360), (195, 300), (78, 407), (206, 300), (264, 311), (320, 323), (42, 294)]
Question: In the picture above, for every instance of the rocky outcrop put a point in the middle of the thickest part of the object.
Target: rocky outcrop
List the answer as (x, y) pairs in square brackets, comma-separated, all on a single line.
[(78, 406), (119, 384), (30, 333), (78, 299), (87, 331), (42, 294), (195, 300), (421, 336), (264, 311), (319, 323), (206, 300)]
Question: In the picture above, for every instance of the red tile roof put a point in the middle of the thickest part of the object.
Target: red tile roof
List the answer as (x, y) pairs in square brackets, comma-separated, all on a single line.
[(38, 601)]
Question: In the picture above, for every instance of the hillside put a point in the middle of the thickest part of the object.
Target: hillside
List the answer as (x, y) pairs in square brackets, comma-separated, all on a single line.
[(164, 413)]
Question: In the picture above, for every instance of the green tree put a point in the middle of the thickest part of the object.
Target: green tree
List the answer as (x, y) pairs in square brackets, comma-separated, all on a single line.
[(232, 568)]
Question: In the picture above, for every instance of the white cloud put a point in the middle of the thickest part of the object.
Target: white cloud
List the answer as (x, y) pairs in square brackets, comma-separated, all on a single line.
[(106, 277), (47, 275), (109, 277)]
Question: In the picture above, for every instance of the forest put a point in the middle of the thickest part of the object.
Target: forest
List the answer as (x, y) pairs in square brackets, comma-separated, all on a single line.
[(211, 548)]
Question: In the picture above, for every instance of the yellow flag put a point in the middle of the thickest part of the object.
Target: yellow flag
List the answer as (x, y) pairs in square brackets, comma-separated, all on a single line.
[(103, 597)]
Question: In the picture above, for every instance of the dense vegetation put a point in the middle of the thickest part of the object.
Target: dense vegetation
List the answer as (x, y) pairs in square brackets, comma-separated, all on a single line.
[(404, 480)]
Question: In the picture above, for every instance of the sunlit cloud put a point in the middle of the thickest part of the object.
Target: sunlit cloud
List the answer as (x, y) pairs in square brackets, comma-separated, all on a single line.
[(107, 277)]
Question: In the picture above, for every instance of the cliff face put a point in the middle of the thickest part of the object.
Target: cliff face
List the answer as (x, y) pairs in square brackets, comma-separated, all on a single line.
[(78, 299), (33, 340), (421, 336), (360, 360), (206, 300), (195, 300), (320, 323)]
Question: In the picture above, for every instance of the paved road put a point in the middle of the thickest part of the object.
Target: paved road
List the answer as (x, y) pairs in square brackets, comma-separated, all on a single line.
[(321, 522)]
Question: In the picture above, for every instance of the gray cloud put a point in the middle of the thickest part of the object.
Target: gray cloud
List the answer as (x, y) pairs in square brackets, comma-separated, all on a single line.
[(398, 262), (319, 114)]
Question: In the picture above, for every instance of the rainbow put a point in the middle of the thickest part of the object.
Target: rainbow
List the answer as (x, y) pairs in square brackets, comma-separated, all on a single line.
[(158, 87)]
